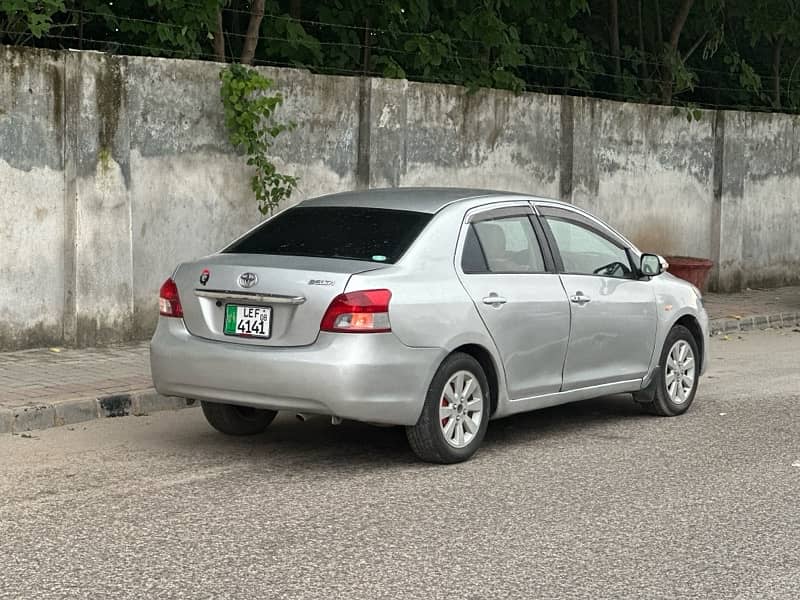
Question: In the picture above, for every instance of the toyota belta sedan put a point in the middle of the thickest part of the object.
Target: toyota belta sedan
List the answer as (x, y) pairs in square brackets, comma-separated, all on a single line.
[(433, 309)]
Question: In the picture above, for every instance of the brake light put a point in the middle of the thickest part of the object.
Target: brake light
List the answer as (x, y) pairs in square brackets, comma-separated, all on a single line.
[(169, 302), (365, 311)]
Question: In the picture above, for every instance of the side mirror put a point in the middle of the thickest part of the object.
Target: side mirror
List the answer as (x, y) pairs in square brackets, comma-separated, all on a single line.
[(652, 265)]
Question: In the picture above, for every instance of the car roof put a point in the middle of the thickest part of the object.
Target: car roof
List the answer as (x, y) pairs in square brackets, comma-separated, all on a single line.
[(433, 199), (419, 199)]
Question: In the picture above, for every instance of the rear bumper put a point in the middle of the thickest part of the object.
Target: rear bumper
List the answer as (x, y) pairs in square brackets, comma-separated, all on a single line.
[(364, 377)]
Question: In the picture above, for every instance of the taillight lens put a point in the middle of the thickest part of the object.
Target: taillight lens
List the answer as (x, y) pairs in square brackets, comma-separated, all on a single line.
[(365, 311), (169, 302)]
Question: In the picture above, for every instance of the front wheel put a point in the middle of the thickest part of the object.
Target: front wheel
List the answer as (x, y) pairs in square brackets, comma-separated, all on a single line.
[(674, 384), (456, 412), (237, 420)]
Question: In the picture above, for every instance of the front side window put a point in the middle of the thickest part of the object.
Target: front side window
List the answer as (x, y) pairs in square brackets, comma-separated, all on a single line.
[(502, 245), (371, 234), (586, 252)]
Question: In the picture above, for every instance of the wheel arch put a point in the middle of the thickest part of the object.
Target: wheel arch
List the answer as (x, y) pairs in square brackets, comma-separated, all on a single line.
[(691, 323), (486, 360)]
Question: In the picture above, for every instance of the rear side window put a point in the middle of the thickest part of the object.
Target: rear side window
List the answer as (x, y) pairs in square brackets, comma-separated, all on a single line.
[(372, 234), (502, 245), (472, 259)]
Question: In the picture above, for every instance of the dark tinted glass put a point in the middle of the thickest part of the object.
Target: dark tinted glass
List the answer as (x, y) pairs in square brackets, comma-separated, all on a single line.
[(510, 245), (472, 259), (374, 234)]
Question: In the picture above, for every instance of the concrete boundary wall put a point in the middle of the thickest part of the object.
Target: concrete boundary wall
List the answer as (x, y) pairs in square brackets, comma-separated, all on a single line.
[(113, 169)]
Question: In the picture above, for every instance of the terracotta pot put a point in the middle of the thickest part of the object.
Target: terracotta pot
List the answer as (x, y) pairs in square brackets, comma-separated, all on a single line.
[(693, 270)]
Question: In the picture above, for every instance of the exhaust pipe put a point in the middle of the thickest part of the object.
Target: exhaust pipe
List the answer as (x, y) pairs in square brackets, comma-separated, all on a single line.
[(302, 417), (336, 420)]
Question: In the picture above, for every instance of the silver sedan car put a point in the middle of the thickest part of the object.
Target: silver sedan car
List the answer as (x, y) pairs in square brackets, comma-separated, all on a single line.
[(433, 309)]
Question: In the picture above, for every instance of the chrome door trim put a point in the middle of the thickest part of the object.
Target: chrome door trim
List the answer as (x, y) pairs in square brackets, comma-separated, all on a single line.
[(493, 299), (471, 213), (249, 296), (569, 208), (585, 392), (521, 405), (579, 298)]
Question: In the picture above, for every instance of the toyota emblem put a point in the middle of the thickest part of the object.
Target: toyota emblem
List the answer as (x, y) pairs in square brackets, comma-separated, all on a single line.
[(247, 280)]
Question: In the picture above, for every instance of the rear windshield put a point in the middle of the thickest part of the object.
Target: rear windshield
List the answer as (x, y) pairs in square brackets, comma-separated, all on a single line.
[(373, 234)]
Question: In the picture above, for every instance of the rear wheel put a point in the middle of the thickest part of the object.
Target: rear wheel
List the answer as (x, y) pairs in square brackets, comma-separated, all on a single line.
[(237, 420), (456, 412), (674, 384)]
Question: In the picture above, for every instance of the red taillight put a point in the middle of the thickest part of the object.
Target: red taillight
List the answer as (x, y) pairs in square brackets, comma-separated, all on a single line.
[(366, 311), (169, 302)]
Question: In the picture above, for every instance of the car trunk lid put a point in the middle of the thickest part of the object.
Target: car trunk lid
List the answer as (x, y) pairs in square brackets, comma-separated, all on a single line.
[(288, 294)]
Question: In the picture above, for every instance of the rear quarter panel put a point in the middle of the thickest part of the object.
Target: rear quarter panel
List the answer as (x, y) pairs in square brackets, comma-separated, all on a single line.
[(429, 306)]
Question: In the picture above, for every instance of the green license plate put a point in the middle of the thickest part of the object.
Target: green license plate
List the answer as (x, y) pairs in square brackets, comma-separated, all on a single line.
[(248, 321)]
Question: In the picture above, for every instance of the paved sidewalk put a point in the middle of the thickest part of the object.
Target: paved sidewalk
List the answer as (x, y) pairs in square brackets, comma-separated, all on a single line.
[(60, 386), (753, 309)]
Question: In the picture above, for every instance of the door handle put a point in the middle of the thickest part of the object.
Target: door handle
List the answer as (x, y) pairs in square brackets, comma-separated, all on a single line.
[(579, 298), (494, 300)]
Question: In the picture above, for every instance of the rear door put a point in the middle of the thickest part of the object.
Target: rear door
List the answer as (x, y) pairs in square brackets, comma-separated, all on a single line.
[(272, 286), (613, 312), (510, 276)]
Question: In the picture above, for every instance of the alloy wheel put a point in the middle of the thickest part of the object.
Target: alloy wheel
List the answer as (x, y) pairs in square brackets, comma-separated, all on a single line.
[(679, 372), (461, 409)]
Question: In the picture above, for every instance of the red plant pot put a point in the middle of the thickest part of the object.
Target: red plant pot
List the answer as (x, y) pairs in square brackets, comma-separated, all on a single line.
[(693, 270)]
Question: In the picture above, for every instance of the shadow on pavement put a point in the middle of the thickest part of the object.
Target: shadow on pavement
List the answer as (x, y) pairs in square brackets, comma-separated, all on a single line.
[(317, 444)]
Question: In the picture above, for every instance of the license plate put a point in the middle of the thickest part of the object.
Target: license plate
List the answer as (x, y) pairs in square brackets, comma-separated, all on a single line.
[(248, 321)]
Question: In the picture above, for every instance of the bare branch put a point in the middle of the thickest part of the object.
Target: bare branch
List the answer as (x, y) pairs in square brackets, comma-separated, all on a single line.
[(253, 29), (680, 21), (219, 39), (694, 47), (613, 21)]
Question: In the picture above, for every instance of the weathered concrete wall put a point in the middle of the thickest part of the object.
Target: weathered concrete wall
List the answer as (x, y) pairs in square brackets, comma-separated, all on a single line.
[(760, 216), (646, 172), (31, 198), (189, 192), (115, 169), (423, 134)]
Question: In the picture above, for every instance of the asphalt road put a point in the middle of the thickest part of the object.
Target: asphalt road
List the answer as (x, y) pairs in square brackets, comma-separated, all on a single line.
[(591, 500)]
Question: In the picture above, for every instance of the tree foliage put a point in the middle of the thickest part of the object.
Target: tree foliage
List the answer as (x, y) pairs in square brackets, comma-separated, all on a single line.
[(728, 53)]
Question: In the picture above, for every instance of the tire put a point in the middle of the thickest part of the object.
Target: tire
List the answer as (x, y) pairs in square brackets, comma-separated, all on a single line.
[(237, 420), (428, 438), (663, 397)]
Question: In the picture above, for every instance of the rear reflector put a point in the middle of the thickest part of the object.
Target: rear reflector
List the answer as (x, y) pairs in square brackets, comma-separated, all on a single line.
[(169, 302), (365, 311)]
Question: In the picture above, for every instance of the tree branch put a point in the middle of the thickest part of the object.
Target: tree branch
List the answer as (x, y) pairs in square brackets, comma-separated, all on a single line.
[(694, 47), (680, 21), (613, 22), (253, 29), (219, 39), (776, 72), (644, 70), (659, 29)]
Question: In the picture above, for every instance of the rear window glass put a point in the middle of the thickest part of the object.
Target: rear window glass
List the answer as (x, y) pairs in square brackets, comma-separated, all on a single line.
[(373, 234)]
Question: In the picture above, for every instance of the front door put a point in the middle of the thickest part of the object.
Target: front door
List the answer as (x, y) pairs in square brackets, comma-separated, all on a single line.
[(614, 319), (520, 298)]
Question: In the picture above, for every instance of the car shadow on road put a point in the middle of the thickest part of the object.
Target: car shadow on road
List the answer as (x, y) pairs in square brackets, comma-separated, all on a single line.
[(316, 444)]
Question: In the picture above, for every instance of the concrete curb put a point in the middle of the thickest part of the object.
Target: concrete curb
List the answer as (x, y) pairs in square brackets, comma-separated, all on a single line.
[(773, 321), (78, 410)]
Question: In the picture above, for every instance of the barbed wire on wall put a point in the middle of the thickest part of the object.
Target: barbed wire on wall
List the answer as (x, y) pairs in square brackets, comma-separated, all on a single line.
[(75, 39)]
